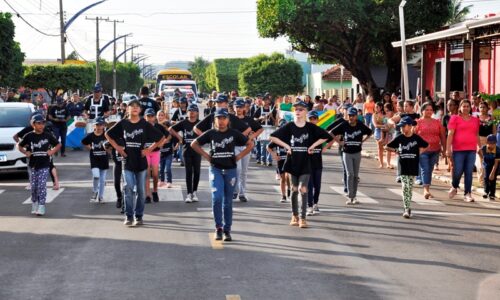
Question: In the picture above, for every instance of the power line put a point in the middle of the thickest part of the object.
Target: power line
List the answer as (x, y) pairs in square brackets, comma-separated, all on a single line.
[(19, 16), (177, 13), (74, 48)]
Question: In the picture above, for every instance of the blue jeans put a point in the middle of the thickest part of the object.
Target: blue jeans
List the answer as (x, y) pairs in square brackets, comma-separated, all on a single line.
[(166, 166), (463, 163), (314, 187), (134, 179), (99, 180), (60, 132), (257, 150), (222, 183), (368, 120), (427, 162), (264, 155)]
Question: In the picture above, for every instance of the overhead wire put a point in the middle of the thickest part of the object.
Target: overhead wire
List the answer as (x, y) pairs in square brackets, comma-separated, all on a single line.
[(28, 23)]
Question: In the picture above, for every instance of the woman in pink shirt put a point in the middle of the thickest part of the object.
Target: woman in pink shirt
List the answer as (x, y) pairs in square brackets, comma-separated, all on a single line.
[(461, 146), (433, 133)]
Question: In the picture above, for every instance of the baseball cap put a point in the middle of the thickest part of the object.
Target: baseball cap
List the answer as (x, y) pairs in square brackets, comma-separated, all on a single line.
[(193, 107), (221, 98), (221, 112), (134, 102), (406, 120), (312, 114), (97, 87), (100, 121), (183, 100), (37, 118), (59, 100), (23, 97), (149, 112), (239, 103), (491, 139), (300, 103), (352, 111)]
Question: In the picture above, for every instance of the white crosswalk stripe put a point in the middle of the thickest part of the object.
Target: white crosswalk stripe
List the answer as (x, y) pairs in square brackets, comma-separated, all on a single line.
[(418, 198), (51, 195), (1, 191), (173, 194), (362, 198)]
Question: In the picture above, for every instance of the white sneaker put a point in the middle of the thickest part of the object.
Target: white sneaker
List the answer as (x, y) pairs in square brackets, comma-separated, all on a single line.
[(316, 208), (310, 211), (169, 185), (349, 202), (34, 208), (41, 210), (93, 198), (194, 197), (468, 198), (354, 201), (189, 198)]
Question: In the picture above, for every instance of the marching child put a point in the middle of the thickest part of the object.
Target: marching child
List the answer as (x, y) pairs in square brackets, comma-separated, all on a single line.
[(223, 174), (38, 146), (99, 162), (408, 145), (490, 157), (154, 157), (279, 155), (166, 152)]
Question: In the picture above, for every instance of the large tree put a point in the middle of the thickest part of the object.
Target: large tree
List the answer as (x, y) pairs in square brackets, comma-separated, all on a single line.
[(199, 69), (458, 13), (11, 57), (355, 33), (128, 77), (275, 74)]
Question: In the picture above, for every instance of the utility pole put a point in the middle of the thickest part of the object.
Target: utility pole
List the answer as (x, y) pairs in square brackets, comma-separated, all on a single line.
[(97, 67), (125, 48), (114, 54), (61, 23)]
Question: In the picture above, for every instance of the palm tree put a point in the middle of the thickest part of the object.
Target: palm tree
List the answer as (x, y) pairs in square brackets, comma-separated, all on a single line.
[(458, 13)]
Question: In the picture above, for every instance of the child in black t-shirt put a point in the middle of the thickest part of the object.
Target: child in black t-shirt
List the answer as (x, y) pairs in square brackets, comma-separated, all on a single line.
[(279, 155), (166, 152), (490, 157), (408, 146), (38, 146), (99, 162), (223, 141), (154, 157)]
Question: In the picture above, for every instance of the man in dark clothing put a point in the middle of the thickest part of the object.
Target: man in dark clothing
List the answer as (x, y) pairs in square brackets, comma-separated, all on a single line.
[(147, 102), (59, 117)]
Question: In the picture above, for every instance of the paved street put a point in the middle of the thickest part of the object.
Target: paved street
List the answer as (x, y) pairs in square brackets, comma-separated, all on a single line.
[(81, 250)]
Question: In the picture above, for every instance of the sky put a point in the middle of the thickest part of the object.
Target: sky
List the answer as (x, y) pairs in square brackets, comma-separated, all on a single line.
[(168, 30)]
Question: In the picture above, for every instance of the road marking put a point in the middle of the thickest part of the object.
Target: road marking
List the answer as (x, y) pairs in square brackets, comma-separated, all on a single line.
[(173, 194), (233, 297), (216, 245), (51, 195), (362, 198), (417, 198), (1, 191)]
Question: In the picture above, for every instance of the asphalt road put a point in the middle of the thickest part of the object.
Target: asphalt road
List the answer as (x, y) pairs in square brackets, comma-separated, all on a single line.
[(80, 250)]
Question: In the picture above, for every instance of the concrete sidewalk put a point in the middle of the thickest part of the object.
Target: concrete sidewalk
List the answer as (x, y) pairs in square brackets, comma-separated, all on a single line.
[(442, 174)]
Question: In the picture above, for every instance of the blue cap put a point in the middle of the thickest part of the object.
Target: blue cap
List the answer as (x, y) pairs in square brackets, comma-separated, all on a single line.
[(352, 111), (37, 118), (193, 107), (221, 112), (259, 96), (149, 112), (221, 98), (100, 121), (239, 103), (300, 103), (59, 99), (183, 100), (97, 87), (313, 114), (491, 139), (406, 120)]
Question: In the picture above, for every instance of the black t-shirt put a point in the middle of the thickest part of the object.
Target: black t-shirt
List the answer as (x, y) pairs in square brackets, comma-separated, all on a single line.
[(300, 139), (336, 123), (59, 113), (38, 145), (135, 135), (353, 135), (234, 122), (282, 154), (179, 115), (163, 131), (146, 103), (262, 111), (75, 109), (29, 129), (98, 155), (222, 146), (409, 152), (188, 134), (101, 105), (250, 122)]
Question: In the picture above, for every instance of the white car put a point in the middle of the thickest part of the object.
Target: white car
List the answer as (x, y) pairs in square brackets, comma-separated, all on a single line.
[(13, 118)]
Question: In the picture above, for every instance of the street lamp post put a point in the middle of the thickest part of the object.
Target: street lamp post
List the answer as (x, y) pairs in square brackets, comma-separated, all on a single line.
[(404, 65)]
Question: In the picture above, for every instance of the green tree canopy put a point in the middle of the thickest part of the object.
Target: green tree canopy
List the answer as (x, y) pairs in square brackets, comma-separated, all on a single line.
[(11, 57), (351, 32), (458, 13), (222, 74), (59, 78), (275, 74), (199, 69), (128, 77)]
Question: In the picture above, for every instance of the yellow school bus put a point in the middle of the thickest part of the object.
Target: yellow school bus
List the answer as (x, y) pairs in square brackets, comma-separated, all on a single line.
[(173, 74)]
